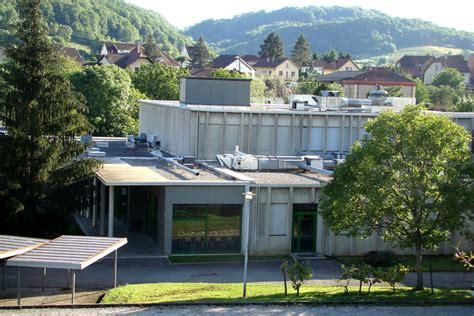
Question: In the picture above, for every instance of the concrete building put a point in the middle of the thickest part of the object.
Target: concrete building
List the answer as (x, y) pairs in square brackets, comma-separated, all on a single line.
[(188, 196)]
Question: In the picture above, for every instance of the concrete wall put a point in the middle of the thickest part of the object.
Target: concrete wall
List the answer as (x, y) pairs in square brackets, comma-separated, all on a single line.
[(205, 133)]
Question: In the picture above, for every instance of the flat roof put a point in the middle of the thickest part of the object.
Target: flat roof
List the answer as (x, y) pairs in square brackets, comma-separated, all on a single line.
[(286, 178), (276, 109), (68, 252), (154, 171), (14, 245)]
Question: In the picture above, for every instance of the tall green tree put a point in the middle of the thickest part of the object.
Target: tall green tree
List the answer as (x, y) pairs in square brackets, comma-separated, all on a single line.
[(272, 47), (200, 57), (111, 99), (224, 73), (151, 48), (301, 52), (42, 114), (158, 81), (422, 94), (410, 180), (450, 77)]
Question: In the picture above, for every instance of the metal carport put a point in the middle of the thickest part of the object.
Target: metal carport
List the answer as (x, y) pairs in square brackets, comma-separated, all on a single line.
[(68, 252), (13, 245)]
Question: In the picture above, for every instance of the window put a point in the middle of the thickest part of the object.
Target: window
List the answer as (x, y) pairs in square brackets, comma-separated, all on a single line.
[(280, 73), (287, 65), (270, 72), (293, 73), (213, 228), (349, 68), (278, 219)]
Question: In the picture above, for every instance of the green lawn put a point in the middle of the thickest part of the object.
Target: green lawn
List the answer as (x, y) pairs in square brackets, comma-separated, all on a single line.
[(439, 263), (220, 258), (220, 292)]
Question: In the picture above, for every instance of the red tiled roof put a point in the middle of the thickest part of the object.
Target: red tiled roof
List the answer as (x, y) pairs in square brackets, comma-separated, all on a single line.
[(72, 53), (414, 65), (319, 63), (453, 61), (380, 75)]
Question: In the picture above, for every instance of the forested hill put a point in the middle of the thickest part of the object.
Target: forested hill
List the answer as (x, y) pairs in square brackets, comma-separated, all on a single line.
[(354, 30), (88, 21)]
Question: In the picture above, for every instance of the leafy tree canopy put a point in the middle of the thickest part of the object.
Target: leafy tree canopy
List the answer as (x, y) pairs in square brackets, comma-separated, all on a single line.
[(449, 77), (111, 98), (158, 81), (410, 179), (224, 73)]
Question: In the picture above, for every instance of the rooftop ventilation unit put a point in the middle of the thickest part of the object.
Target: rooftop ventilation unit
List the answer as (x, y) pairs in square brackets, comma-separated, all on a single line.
[(215, 91)]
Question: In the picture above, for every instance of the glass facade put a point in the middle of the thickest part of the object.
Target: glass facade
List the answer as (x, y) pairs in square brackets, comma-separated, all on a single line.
[(304, 228), (206, 228)]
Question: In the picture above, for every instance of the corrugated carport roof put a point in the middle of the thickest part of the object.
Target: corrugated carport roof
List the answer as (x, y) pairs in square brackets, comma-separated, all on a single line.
[(68, 252), (13, 245)]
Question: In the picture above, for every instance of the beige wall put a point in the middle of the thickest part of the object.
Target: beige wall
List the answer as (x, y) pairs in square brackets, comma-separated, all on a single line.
[(138, 63), (287, 70)]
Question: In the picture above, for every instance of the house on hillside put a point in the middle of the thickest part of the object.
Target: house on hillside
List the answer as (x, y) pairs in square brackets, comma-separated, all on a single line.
[(73, 54), (234, 63), (278, 68), (114, 52), (327, 67), (435, 66), (471, 69), (186, 54), (358, 83), (414, 65), (132, 60)]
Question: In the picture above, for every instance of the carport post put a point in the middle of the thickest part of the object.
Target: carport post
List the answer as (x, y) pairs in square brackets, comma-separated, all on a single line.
[(94, 203), (102, 209), (68, 284), (246, 227), (115, 268), (4, 270), (44, 279), (18, 287), (111, 211), (73, 281)]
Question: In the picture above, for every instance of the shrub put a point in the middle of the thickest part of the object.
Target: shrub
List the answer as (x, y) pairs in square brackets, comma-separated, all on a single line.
[(298, 273), (380, 258), (394, 274)]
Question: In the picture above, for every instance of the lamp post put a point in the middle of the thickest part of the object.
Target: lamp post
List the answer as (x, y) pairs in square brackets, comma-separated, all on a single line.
[(246, 221)]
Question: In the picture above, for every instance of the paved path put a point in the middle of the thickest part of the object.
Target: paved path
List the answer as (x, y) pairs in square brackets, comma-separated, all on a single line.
[(131, 271), (258, 310)]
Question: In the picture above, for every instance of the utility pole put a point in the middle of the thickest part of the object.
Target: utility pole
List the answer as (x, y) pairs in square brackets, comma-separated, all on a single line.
[(246, 221)]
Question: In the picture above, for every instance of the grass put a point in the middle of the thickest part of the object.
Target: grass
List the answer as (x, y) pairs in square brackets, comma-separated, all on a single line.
[(220, 258), (438, 263), (232, 292)]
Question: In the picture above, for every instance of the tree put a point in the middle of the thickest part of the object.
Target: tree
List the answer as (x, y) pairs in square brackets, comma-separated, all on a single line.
[(151, 48), (258, 90), (42, 114), (394, 91), (200, 57), (298, 273), (465, 105), (113, 105), (272, 47), (301, 52), (422, 94), (410, 179), (158, 81), (449, 77), (443, 98)]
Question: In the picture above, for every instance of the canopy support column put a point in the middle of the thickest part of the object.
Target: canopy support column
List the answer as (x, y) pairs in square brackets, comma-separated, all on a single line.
[(73, 285), (4, 270), (115, 268), (102, 209), (44, 279), (18, 287), (94, 203), (111, 211)]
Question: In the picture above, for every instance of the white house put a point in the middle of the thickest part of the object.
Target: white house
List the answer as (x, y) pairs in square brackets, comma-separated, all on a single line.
[(234, 63), (439, 64)]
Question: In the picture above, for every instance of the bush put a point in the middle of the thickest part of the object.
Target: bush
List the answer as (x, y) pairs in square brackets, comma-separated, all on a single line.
[(298, 273), (380, 258), (394, 274)]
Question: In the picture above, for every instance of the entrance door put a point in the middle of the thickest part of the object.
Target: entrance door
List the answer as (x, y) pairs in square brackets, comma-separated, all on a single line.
[(304, 228)]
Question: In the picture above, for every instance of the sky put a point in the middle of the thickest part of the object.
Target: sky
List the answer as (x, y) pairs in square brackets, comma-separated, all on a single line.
[(449, 13)]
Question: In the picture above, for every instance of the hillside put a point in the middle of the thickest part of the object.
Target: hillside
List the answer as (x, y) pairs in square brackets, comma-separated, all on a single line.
[(90, 21), (392, 58), (362, 33)]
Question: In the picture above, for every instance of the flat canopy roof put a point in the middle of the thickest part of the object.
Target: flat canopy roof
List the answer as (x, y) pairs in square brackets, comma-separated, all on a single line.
[(13, 245), (68, 252)]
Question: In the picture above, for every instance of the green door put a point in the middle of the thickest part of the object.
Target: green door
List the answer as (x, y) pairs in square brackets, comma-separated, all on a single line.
[(304, 228)]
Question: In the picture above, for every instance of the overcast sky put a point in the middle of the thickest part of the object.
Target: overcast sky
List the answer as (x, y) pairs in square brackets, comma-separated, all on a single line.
[(458, 14)]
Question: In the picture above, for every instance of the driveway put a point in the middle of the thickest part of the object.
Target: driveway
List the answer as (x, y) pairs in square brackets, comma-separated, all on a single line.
[(152, 270)]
